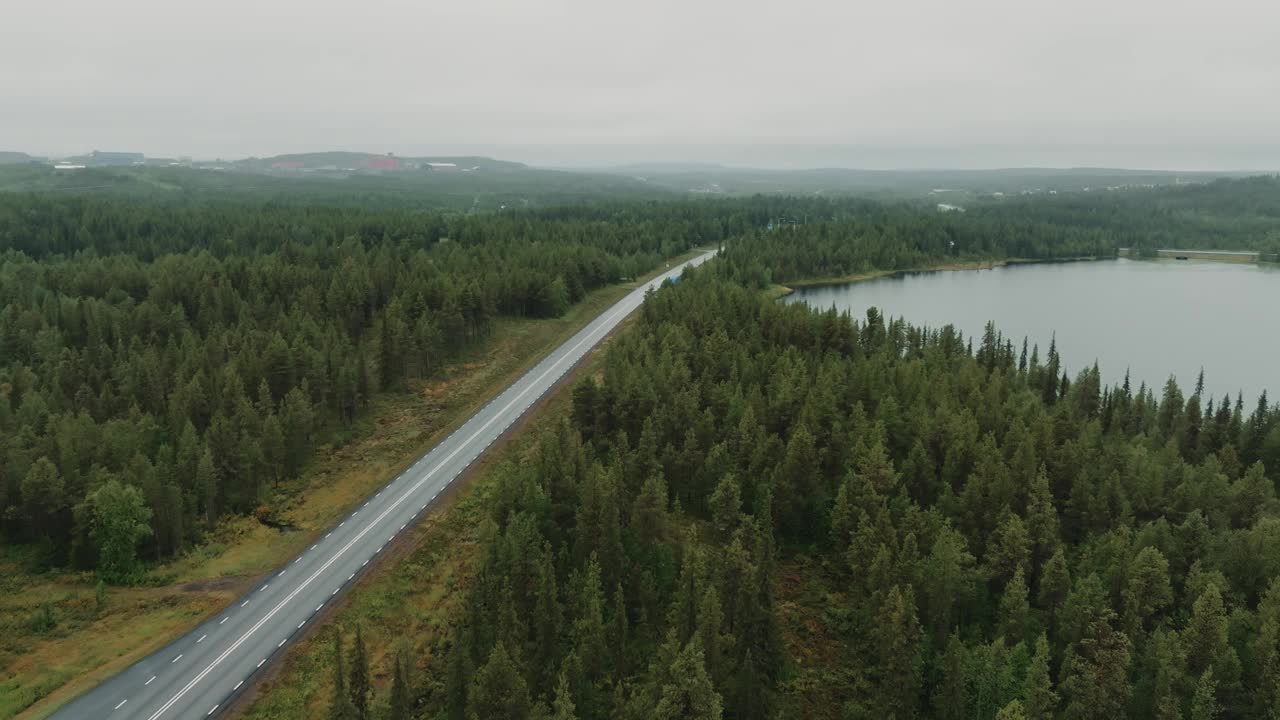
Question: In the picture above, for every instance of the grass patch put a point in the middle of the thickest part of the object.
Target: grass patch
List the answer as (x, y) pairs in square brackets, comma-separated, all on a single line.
[(819, 677), (40, 671)]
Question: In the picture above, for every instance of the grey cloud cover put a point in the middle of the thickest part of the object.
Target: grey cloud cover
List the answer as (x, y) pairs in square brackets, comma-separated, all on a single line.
[(920, 83)]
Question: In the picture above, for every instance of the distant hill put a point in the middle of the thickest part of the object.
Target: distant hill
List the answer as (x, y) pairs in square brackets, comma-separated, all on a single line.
[(714, 180), (344, 161), (494, 187), (15, 158)]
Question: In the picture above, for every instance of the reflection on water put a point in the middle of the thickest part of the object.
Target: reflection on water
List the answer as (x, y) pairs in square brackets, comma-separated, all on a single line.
[(1156, 318)]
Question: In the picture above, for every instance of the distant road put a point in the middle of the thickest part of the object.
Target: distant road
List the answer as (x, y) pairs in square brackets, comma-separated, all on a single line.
[(200, 673)]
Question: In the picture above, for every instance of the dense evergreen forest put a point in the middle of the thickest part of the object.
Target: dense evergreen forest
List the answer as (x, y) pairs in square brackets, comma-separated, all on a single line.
[(794, 239), (999, 538), (162, 366), (1239, 214)]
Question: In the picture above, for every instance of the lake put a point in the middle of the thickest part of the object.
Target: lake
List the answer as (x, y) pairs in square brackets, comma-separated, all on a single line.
[(1155, 317)]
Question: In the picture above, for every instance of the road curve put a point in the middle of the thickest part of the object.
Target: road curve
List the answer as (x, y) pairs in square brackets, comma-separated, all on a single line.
[(200, 673)]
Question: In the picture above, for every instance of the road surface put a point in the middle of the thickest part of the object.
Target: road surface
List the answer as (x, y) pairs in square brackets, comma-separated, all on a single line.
[(202, 671)]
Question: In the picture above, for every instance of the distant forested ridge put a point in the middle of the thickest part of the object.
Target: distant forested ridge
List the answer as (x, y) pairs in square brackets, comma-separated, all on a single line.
[(1241, 214), (161, 366), (993, 537), (804, 239)]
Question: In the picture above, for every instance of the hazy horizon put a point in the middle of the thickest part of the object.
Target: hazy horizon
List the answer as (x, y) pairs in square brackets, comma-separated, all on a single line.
[(570, 83)]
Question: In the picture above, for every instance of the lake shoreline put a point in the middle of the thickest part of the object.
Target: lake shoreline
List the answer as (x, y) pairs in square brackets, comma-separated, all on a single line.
[(1129, 313), (780, 291)]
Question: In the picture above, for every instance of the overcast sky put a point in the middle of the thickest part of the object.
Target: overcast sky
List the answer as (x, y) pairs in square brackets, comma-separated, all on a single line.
[(1189, 84)]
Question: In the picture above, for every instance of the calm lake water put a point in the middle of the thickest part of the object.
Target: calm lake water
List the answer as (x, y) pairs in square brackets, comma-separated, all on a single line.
[(1155, 317)]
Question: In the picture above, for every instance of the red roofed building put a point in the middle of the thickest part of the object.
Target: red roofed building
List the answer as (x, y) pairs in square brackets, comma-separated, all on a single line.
[(382, 163)]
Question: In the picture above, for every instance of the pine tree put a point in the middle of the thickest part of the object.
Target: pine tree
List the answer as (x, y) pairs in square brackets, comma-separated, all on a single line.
[(619, 629), (1014, 608), (1095, 674), (340, 707), (899, 653), (499, 690), (1148, 591), (1012, 711), (1205, 637), (1042, 520), (399, 703), (842, 518), (1055, 584), (687, 692), (951, 693), (1204, 705), (563, 707), (1039, 699), (358, 685)]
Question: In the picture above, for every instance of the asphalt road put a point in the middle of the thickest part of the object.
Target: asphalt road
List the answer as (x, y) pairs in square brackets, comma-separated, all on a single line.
[(202, 671)]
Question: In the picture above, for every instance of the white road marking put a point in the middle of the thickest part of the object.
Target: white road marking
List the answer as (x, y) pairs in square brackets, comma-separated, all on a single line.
[(366, 562), (313, 547), (281, 574), (202, 637), (237, 687), (246, 602), (304, 622), (215, 707), (261, 661), (344, 522), (222, 621), (298, 560), (176, 659), (351, 576), (192, 683), (122, 702), (264, 587), (281, 644), (321, 605), (326, 535), (153, 677)]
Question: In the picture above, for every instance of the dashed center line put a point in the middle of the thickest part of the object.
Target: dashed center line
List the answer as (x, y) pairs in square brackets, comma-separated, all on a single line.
[(122, 702), (153, 677), (176, 659), (202, 637)]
